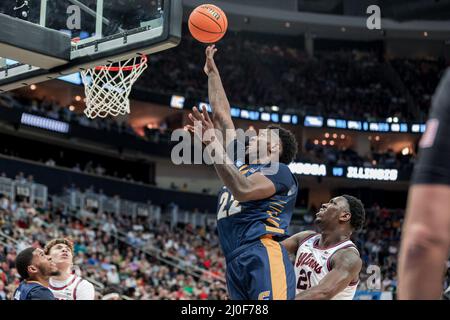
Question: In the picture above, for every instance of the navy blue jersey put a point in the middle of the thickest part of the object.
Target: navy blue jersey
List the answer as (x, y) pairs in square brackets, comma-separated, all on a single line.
[(240, 223), (32, 291)]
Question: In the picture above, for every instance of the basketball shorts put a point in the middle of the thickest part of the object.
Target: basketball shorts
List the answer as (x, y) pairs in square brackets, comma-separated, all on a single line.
[(433, 166), (260, 270)]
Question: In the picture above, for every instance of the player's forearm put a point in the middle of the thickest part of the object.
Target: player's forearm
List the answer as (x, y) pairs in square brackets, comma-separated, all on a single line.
[(233, 180), (314, 293), (218, 100)]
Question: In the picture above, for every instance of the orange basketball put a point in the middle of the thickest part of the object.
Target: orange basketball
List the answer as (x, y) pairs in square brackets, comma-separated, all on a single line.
[(208, 23)]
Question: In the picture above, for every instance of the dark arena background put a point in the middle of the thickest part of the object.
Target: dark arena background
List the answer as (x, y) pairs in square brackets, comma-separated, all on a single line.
[(357, 97)]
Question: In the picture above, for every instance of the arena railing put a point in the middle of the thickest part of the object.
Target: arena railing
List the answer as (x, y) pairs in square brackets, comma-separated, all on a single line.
[(31, 190), (56, 178)]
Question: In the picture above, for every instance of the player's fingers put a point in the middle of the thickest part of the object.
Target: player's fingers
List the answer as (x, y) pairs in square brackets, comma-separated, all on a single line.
[(206, 115), (199, 117), (189, 128), (208, 51), (193, 118), (197, 114)]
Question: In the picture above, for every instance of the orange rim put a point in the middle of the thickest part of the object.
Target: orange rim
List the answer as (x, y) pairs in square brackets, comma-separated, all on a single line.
[(144, 60)]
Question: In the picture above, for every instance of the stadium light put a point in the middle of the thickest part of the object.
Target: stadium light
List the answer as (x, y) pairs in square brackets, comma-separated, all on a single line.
[(405, 151), (44, 123)]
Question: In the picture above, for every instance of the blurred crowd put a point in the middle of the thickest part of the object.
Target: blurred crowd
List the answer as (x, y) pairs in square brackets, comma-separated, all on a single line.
[(113, 265), (261, 72), (143, 257), (421, 77)]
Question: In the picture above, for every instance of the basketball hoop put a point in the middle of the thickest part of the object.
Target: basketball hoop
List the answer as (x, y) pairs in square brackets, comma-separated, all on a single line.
[(108, 87)]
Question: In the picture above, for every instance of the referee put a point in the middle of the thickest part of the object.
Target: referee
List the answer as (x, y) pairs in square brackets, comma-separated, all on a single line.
[(426, 231)]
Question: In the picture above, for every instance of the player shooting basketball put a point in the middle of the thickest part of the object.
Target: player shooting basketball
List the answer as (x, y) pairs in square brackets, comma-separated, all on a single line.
[(255, 208), (67, 285), (327, 264), (426, 232)]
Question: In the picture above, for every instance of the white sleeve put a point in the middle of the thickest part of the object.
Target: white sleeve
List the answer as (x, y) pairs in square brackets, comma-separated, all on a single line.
[(85, 291)]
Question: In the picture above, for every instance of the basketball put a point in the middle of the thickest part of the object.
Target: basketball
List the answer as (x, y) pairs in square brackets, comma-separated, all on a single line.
[(208, 23)]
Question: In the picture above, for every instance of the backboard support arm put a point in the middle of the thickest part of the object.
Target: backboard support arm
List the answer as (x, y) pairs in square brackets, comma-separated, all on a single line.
[(43, 17)]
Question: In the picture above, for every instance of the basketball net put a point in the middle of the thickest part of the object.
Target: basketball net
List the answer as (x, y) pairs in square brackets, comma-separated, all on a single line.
[(108, 87)]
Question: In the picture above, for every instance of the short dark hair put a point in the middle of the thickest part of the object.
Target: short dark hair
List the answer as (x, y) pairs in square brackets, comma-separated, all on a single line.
[(23, 261), (288, 144), (357, 211)]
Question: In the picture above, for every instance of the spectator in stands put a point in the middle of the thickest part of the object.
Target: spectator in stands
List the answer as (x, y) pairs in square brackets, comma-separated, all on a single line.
[(50, 162), (3, 294)]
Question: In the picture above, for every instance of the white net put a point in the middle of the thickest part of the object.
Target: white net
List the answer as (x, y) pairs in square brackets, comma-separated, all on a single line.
[(108, 88)]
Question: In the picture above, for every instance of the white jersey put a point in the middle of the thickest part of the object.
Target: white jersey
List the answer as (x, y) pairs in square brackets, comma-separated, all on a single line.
[(312, 264), (74, 288)]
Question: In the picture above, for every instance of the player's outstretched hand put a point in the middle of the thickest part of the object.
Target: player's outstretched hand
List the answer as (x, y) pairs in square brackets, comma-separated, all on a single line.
[(210, 65), (203, 123)]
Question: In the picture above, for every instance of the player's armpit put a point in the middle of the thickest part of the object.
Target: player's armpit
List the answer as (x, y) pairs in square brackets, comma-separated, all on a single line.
[(257, 187), (293, 243), (346, 265)]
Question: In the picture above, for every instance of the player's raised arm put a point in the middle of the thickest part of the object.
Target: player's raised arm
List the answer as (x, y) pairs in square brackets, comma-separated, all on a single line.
[(293, 242), (217, 97), (346, 265)]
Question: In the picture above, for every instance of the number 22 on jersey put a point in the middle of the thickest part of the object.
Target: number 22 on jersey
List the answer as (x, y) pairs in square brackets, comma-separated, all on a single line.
[(227, 206)]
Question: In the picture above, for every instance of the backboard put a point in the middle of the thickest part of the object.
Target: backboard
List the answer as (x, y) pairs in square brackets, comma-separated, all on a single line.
[(88, 32)]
